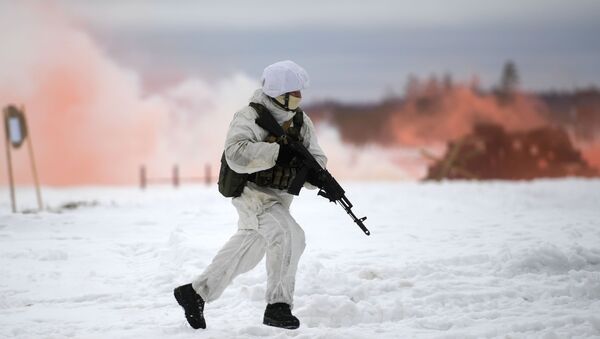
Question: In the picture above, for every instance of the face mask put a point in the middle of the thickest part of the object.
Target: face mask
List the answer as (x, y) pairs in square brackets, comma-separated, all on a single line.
[(293, 102)]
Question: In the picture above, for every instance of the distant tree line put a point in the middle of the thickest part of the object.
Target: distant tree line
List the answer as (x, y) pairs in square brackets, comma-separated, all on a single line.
[(428, 104)]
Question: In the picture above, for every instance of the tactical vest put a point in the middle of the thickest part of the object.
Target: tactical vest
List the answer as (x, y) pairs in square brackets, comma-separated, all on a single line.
[(231, 183)]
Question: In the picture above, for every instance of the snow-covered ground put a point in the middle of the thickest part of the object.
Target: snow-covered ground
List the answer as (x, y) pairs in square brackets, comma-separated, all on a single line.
[(456, 260)]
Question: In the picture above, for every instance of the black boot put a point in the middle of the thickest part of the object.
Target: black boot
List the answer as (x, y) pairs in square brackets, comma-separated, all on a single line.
[(192, 303), (280, 315)]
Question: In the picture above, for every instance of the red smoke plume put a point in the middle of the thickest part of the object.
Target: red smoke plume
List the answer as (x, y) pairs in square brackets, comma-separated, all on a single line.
[(444, 114), (88, 119), (431, 114), (86, 116), (591, 153)]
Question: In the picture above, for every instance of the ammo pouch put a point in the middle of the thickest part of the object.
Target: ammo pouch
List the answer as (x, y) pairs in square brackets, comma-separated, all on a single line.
[(278, 177), (231, 183)]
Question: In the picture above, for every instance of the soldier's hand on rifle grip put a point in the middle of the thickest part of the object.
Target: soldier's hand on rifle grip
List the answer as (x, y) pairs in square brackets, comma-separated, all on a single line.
[(286, 153)]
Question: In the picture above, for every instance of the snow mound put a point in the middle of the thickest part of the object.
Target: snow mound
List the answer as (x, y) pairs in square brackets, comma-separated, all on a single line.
[(550, 259)]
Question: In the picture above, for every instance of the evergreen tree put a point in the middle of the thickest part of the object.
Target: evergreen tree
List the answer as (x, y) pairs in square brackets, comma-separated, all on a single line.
[(510, 78), (509, 82)]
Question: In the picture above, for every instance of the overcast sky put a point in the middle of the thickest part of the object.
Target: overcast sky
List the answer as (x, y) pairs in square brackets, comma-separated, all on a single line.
[(330, 13), (353, 50)]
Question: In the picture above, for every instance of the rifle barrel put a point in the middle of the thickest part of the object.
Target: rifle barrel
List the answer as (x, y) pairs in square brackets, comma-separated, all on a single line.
[(347, 205)]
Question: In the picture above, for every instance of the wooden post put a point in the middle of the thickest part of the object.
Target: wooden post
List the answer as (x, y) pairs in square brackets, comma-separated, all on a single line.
[(207, 177), (9, 163), (175, 176), (143, 178), (33, 167)]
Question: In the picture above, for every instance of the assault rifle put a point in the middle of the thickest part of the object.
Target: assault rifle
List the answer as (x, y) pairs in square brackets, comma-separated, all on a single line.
[(310, 169)]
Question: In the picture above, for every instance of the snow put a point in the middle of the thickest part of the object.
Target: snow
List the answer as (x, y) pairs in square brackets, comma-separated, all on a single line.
[(445, 260)]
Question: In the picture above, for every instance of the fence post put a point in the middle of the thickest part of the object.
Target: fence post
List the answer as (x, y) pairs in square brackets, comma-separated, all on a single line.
[(175, 176), (143, 178), (207, 176)]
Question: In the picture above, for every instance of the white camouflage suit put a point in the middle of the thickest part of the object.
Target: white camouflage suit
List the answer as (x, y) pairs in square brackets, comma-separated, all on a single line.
[(265, 223)]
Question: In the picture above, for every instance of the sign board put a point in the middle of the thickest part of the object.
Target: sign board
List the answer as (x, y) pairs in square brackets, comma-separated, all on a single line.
[(14, 131), (16, 128)]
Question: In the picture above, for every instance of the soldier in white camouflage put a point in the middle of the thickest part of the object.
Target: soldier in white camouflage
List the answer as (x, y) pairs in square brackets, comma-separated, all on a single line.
[(257, 169)]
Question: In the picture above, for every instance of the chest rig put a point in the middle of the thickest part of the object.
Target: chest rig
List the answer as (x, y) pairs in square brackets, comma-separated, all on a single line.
[(279, 176), (231, 184)]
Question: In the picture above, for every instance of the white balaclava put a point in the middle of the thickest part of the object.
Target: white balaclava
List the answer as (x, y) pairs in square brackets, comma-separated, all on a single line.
[(281, 78)]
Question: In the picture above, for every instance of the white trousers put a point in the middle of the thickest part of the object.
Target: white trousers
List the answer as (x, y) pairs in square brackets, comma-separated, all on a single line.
[(279, 236)]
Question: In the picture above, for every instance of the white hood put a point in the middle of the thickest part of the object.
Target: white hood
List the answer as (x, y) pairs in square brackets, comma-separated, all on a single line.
[(283, 77)]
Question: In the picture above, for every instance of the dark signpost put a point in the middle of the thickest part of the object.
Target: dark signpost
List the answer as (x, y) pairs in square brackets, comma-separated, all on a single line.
[(15, 127)]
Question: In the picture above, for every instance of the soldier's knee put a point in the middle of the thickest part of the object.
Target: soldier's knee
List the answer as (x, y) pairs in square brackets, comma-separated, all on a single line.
[(298, 237), (290, 232)]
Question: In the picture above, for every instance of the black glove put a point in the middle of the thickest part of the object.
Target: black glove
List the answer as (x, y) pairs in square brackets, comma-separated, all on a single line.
[(286, 154), (316, 179)]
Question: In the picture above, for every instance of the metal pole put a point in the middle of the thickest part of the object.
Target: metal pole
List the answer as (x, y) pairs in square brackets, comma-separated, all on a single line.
[(9, 164), (33, 167)]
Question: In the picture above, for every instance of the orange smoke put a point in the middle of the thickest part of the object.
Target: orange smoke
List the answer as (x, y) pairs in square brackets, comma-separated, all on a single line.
[(85, 114), (444, 114), (432, 113), (591, 153), (427, 118), (88, 119)]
